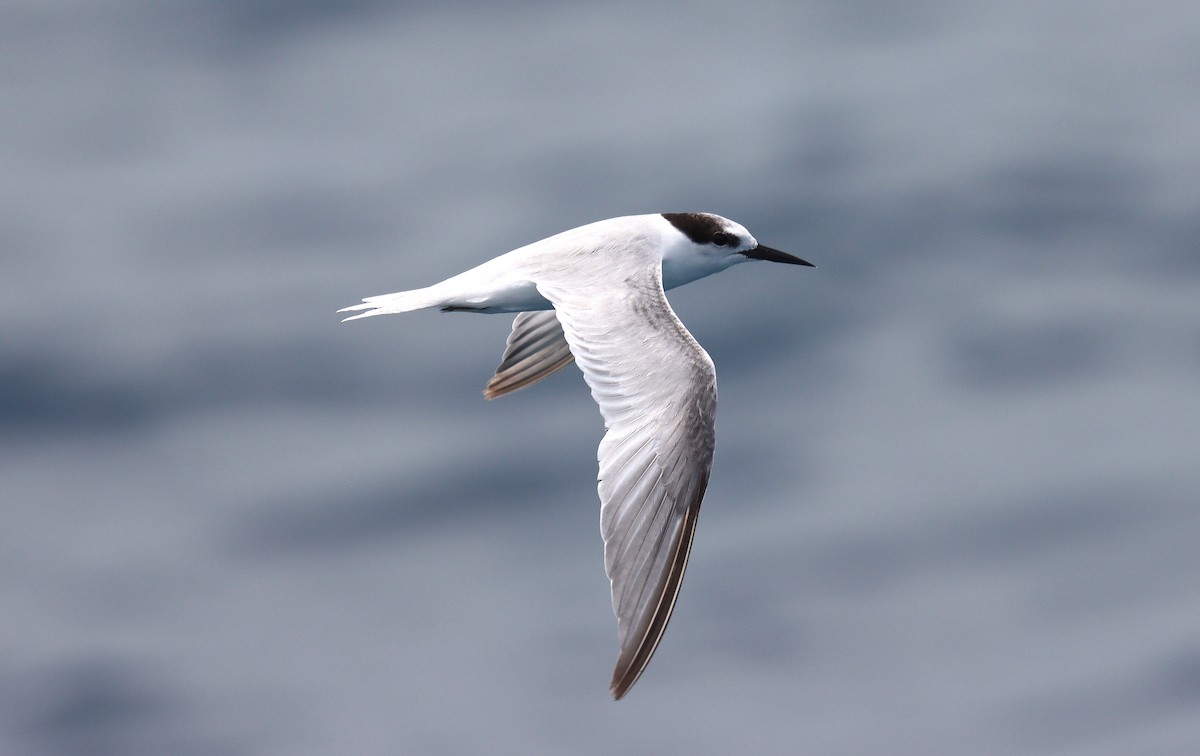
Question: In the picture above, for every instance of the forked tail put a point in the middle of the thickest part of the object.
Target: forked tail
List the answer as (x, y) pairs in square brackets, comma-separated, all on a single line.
[(388, 304)]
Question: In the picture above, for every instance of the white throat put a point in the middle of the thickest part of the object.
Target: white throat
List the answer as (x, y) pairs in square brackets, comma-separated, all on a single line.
[(682, 263)]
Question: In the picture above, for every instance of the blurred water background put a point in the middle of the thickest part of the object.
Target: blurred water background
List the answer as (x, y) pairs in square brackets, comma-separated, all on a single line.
[(954, 507)]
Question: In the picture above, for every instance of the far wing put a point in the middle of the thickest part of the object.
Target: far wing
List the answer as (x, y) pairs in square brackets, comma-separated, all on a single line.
[(536, 349), (656, 388)]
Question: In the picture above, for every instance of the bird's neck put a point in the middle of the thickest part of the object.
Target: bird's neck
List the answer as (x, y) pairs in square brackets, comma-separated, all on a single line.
[(683, 269)]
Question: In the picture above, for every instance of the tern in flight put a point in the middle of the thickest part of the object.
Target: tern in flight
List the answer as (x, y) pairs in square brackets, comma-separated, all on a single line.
[(594, 295)]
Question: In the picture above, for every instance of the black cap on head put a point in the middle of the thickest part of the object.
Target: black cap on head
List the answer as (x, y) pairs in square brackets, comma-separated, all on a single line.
[(704, 228), (699, 227)]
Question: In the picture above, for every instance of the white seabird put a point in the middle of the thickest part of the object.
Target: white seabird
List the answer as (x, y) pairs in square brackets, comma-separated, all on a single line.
[(595, 294)]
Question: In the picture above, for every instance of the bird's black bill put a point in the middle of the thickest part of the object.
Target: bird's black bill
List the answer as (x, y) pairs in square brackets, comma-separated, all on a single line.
[(773, 255)]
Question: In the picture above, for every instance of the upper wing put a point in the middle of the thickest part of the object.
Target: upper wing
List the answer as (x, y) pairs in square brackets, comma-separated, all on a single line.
[(656, 388), (536, 348)]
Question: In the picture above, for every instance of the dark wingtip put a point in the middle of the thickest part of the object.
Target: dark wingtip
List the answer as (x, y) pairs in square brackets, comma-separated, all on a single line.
[(633, 660)]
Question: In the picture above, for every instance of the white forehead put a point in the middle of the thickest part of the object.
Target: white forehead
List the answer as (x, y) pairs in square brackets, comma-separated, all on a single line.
[(737, 229)]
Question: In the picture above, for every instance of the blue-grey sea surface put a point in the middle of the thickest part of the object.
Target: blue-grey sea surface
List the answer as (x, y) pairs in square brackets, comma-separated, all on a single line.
[(955, 501)]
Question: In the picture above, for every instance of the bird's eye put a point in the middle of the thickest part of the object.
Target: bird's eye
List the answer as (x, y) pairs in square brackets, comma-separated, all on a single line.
[(722, 239)]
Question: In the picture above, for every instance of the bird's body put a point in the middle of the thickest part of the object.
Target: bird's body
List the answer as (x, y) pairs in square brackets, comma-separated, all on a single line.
[(595, 294), (508, 283)]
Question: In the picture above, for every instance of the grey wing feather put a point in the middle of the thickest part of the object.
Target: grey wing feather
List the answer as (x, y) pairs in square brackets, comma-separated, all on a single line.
[(656, 388), (536, 349)]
